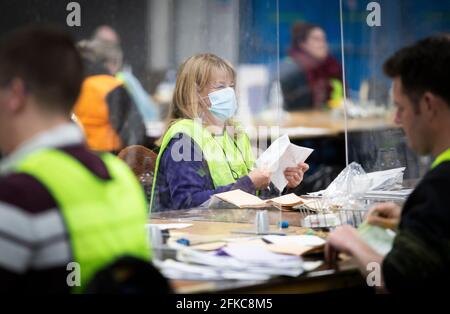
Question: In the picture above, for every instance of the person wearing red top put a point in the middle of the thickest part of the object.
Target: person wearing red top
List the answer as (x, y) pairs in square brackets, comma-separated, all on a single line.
[(308, 74)]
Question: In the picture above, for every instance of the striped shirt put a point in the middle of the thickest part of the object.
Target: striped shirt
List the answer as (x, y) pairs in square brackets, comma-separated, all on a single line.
[(34, 241)]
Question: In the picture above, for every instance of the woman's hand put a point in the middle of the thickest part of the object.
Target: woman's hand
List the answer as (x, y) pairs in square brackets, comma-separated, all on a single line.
[(385, 215), (260, 178), (294, 175)]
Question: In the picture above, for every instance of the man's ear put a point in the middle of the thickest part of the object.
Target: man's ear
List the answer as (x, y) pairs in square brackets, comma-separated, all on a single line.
[(430, 105), (18, 95)]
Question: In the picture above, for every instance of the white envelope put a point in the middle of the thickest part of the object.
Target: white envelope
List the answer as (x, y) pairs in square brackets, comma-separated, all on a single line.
[(281, 155)]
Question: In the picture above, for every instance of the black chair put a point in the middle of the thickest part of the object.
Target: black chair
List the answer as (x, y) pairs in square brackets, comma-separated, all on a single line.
[(294, 86), (141, 161), (129, 275)]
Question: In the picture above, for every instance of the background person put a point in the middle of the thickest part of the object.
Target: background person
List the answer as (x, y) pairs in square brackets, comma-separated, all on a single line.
[(201, 128), (310, 77), (110, 118), (420, 255)]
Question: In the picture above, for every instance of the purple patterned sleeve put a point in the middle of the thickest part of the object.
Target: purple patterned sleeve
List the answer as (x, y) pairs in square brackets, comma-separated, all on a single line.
[(186, 182)]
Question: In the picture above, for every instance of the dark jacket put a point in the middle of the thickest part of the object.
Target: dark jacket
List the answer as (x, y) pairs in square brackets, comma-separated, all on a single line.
[(420, 258)]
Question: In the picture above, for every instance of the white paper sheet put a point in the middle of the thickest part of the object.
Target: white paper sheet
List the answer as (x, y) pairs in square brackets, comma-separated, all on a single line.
[(170, 226), (321, 221), (310, 266), (259, 255), (304, 240), (379, 239), (281, 155), (241, 199), (282, 266), (386, 179), (182, 271)]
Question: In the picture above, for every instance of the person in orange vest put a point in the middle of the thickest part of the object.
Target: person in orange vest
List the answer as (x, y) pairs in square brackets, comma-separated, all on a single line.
[(109, 117)]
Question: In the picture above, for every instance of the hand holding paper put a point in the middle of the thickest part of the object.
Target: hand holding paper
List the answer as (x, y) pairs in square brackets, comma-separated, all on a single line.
[(282, 154), (260, 177), (294, 175)]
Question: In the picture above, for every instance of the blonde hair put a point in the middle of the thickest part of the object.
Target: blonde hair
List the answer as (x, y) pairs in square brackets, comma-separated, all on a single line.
[(192, 77)]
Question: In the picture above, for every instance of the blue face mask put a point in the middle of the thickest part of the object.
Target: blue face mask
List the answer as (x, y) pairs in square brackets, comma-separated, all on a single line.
[(223, 103)]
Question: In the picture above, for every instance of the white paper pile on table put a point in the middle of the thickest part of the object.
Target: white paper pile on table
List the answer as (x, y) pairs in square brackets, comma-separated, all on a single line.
[(398, 195), (316, 204), (302, 240), (386, 180), (172, 226), (379, 239), (184, 271), (321, 221), (382, 182), (241, 199), (239, 261), (294, 244), (260, 259)]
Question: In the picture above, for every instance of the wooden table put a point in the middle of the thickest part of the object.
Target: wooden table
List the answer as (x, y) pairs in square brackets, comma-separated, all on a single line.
[(304, 124), (326, 119), (213, 225), (319, 123)]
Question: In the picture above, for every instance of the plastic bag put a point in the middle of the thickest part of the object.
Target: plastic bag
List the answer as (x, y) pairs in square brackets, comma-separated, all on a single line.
[(352, 183)]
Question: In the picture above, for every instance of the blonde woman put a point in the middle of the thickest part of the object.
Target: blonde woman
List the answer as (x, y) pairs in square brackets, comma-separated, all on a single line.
[(204, 151)]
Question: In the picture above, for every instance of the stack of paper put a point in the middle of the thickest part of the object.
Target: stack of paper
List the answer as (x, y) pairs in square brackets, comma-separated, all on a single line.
[(386, 180), (183, 271), (295, 245), (321, 221), (250, 260), (243, 199), (287, 201), (170, 226), (301, 240), (381, 240), (246, 257), (312, 204), (398, 195), (259, 255), (281, 155)]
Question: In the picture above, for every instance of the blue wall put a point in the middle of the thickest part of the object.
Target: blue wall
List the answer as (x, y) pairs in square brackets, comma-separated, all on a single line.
[(366, 48)]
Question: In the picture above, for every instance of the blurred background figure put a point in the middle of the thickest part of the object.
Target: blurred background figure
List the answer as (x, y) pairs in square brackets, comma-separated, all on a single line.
[(106, 33), (310, 77), (143, 100), (108, 115)]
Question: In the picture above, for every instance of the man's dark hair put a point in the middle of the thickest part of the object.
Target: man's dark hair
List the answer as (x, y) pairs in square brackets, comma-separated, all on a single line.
[(47, 61), (422, 67)]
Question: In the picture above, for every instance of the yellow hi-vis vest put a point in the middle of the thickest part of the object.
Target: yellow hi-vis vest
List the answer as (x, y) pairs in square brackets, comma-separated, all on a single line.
[(223, 154), (105, 219), (444, 156)]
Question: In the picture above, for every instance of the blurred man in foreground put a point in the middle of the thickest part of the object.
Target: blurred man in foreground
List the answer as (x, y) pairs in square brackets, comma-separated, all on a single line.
[(420, 257), (62, 207)]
